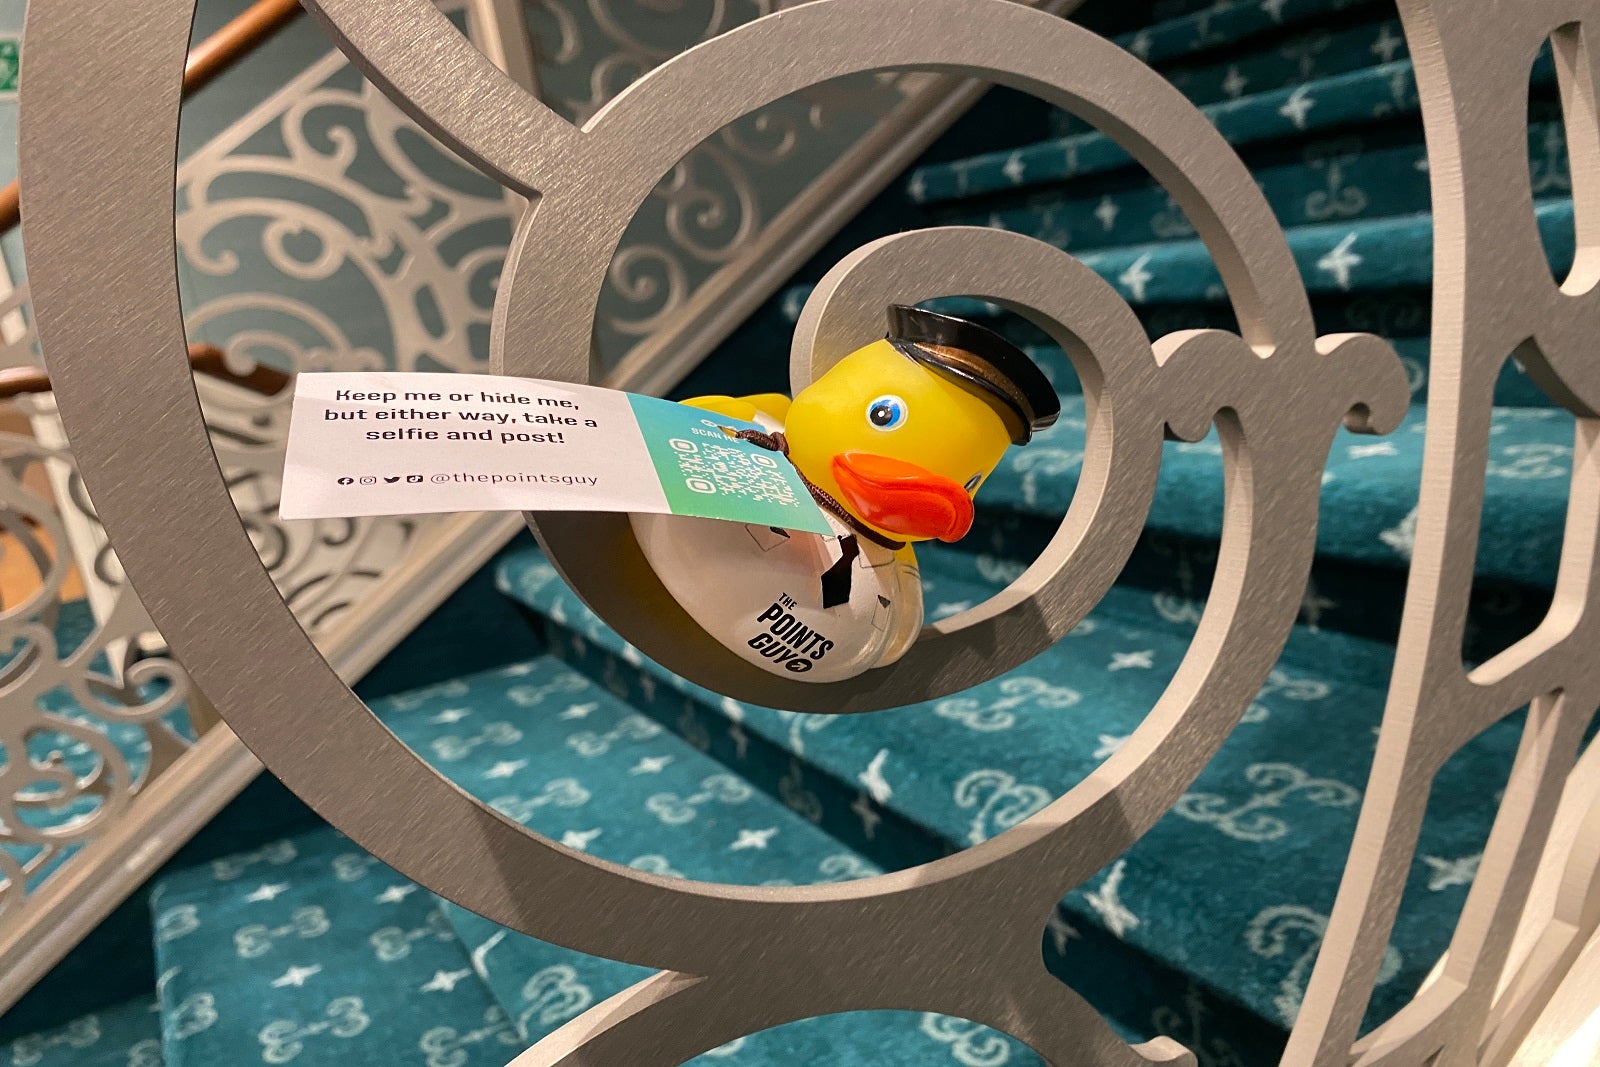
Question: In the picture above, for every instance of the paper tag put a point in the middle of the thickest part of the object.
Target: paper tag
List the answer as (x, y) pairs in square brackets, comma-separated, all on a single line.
[(405, 444)]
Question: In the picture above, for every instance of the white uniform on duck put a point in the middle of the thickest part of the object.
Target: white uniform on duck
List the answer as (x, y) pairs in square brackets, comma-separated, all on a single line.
[(822, 607), (893, 441)]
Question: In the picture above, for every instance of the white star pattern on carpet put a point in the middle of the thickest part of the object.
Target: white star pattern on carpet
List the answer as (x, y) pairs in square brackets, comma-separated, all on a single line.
[(651, 765), (268, 892), (444, 981), (579, 839), (296, 976), (505, 768), (753, 839), (395, 894), (1144, 659)]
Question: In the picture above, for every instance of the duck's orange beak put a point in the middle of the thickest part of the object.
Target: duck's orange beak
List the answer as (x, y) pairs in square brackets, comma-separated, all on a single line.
[(902, 498)]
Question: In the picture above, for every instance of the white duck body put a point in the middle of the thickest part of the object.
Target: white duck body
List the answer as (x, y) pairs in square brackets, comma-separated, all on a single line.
[(760, 592)]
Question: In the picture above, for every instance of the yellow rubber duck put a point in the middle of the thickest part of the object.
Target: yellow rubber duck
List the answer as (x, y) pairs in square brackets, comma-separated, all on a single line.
[(893, 442)]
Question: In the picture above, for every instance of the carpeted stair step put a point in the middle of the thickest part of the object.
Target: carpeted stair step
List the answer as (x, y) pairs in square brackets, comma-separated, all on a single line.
[(1369, 492), (1225, 23), (1355, 98), (1175, 571), (1339, 178), (1379, 95), (311, 950), (308, 950), (546, 745), (1221, 50), (1363, 256), (1178, 916), (123, 1035), (1338, 42)]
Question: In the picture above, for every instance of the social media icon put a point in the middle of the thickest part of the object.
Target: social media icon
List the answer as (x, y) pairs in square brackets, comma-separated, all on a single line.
[(347, 481), (391, 481), (413, 478), (367, 479)]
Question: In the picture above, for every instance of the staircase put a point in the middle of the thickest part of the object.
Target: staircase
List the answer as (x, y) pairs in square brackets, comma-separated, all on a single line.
[(305, 950)]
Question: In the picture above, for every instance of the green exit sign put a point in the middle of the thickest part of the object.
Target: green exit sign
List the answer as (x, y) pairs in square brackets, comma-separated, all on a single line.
[(10, 59)]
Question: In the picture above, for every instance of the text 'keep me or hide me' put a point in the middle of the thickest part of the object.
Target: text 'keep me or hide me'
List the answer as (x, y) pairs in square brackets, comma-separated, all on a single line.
[(505, 427)]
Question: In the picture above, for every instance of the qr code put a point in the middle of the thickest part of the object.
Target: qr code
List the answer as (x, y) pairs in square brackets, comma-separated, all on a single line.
[(715, 469)]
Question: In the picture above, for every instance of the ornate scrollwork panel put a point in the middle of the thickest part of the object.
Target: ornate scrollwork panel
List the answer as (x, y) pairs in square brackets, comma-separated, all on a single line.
[(1494, 297), (85, 718), (718, 199), (1277, 392), (320, 231)]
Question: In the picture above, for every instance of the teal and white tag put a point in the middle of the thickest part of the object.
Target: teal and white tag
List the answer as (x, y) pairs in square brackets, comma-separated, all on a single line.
[(385, 443)]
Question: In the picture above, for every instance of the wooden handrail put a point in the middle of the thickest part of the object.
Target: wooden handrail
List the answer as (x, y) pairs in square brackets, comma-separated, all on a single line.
[(213, 56), (236, 40), (206, 359)]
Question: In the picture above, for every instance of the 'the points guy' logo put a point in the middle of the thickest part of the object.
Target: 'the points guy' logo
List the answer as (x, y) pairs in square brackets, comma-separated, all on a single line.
[(789, 641)]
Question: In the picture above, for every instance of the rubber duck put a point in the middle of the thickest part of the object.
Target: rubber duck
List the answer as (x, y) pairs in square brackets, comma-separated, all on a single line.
[(893, 442)]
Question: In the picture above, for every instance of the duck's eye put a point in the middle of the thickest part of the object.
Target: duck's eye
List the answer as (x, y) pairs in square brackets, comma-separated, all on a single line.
[(887, 412), (972, 483)]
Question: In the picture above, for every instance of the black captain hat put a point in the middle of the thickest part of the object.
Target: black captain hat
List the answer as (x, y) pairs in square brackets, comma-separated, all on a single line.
[(979, 357)]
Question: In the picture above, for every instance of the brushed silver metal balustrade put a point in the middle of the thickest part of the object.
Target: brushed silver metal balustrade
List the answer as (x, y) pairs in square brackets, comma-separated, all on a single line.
[(361, 590), (1276, 390)]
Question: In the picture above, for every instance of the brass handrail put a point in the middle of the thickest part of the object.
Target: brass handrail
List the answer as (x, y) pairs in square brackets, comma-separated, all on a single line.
[(214, 55), (206, 359), (211, 57)]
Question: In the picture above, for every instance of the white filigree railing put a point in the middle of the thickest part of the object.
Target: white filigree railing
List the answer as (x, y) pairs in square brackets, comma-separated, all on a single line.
[(94, 712)]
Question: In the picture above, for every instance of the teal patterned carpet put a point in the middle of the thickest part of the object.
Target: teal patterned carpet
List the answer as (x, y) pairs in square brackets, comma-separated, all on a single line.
[(304, 950), (309, 950), (1220, 907)]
